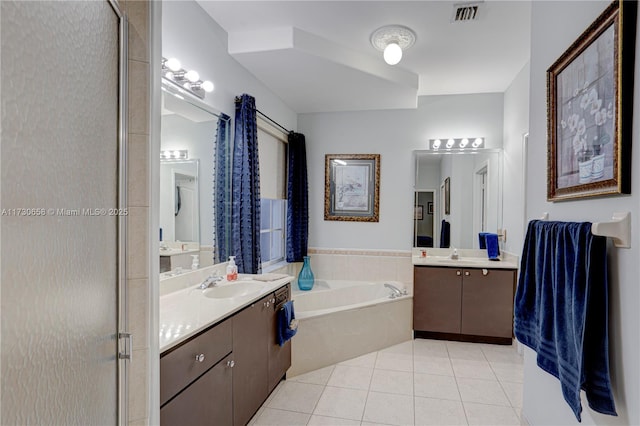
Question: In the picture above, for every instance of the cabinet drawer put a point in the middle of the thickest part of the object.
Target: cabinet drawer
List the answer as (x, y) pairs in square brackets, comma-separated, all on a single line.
[(207, 401), (180, 367)]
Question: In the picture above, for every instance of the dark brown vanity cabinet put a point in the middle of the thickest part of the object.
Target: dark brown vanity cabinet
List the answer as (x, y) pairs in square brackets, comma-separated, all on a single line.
[(260, 363), (468, 303), (223, 375)]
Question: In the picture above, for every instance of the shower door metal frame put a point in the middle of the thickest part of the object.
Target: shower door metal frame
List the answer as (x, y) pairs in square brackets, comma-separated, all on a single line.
[(124, 339)]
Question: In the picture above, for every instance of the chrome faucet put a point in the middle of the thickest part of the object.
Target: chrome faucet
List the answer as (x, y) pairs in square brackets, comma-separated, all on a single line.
[(210, 281), (396, 291)]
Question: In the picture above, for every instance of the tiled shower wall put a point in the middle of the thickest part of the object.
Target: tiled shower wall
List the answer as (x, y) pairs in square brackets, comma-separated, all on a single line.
[(138, 282)]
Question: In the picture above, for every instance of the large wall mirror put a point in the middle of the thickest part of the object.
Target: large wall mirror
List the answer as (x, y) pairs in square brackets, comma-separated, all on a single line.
[(187, 217), (462, 188)]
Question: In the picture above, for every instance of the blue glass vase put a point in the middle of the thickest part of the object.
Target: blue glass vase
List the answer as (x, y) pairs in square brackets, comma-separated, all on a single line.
[(305, 278)]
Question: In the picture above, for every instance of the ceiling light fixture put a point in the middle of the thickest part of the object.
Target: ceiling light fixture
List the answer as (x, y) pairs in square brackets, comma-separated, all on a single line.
[(188, 81), (393, 40)]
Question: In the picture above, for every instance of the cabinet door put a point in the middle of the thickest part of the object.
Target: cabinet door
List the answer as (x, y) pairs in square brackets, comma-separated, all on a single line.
[(279, 356), (487, 302), (437, 296), (206, 402), (250, 350)]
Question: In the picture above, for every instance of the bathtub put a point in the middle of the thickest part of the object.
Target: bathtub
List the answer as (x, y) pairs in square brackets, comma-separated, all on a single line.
[(339, 320)]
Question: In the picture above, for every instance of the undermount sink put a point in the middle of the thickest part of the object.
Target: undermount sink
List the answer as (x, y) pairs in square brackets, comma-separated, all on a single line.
[(235, 289)]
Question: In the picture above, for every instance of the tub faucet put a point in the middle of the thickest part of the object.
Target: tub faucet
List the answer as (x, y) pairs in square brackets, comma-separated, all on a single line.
[(396, 291), (210, 281)]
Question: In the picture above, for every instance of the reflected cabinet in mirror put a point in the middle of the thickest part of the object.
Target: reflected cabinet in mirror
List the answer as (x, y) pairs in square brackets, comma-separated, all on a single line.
[(189, 132), (457, 195)]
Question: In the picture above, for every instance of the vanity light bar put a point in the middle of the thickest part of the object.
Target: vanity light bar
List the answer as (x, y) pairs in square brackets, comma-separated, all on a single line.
[(178, 154), (452, 144), (187, 80)]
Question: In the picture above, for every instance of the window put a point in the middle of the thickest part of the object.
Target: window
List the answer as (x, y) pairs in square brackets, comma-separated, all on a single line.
[(273, 205), (272, 230)]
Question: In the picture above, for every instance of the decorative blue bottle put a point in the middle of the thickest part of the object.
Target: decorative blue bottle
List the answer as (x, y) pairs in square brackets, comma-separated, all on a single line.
[(305, 278)]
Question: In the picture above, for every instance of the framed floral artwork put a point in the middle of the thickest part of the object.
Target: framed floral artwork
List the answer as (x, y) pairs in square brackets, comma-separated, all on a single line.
[(590, 101), (351, 188)]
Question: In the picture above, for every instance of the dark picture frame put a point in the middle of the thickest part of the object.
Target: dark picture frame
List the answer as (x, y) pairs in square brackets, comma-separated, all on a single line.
[(352, 187), (447, 196), (429, 207), (589, 116)]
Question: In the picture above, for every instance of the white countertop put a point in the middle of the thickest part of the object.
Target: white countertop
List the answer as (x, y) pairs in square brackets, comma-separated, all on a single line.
[(186, 312), (466, 259)]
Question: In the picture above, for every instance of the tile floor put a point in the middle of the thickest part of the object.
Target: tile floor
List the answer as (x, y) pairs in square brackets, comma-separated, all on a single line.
[(418, 382)]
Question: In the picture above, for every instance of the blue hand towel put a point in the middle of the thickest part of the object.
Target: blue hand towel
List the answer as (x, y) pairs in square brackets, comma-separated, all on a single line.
[(287, 323), (561, 306), (482, 240), (493, 247), (445, 234)]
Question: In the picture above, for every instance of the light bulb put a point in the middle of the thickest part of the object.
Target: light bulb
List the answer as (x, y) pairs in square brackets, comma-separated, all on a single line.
[(392, 53), (176, 154), (436, 144), (192, 76), (464, 142), (450, 143), (207, 86), (477, 142), (173, 64)]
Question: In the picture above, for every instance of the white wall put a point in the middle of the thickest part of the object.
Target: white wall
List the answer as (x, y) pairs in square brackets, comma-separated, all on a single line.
[(189, 34), (555, 25), (516, 124), (394, 134)]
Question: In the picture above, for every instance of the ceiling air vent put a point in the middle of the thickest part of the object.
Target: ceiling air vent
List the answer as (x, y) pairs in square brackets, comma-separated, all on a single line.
[(465, 12)]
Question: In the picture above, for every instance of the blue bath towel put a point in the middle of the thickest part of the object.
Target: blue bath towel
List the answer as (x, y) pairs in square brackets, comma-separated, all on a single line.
[(561, 306), (445, 234), (287, 324)]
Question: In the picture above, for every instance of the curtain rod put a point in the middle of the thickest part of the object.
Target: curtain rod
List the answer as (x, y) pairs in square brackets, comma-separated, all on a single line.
[(238, 100)]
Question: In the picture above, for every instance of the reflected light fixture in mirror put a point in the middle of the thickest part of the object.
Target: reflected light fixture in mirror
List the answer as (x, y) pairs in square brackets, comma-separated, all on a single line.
[(178, 154), (461, 144)]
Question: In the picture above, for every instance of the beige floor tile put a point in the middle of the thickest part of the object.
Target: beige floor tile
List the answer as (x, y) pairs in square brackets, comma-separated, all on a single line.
[(400, 382), (435, 386), (368, 360), (293, 396), (331, 421), (481, 391), (394, 361), (345, 376), (438, 412), (342, 403), (432, 365), (316, 377), (389, 409), (490, 415), (273, 417), (472, 369)]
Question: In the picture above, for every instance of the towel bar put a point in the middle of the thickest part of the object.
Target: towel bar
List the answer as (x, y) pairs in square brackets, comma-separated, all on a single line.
[(618, 228)]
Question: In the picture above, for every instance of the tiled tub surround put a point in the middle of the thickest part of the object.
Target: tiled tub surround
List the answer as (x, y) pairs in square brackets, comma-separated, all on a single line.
[(185, 310), (331, 337)]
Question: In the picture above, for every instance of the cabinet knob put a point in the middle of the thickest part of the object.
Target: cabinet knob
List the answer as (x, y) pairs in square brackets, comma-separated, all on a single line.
[(485, 272), (458, 273), (231, 363), (200, 358), (467, 273), (266, 303), (273, 300)]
